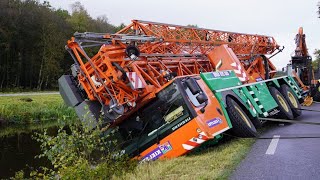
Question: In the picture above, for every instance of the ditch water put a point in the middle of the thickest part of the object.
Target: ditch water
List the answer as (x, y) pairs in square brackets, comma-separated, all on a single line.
[(18, 149)]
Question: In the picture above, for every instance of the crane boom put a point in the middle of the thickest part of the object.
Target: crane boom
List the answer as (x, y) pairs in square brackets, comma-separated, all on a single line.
[(178, 39)]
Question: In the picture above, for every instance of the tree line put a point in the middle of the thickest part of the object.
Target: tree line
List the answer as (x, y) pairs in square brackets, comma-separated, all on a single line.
[(32, 40)]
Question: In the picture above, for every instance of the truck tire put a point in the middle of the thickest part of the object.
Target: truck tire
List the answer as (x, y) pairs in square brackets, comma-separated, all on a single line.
[(256, 122), (292, 99), (242, 125), (283, 106)]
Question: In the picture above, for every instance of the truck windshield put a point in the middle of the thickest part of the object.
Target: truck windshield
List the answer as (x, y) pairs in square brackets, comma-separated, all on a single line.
[(156, 120)]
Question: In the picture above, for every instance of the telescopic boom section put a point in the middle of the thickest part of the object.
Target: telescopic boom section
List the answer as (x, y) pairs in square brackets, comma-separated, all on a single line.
[(177, 39)]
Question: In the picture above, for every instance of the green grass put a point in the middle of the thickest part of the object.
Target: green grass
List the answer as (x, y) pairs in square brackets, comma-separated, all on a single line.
[(217, 162), (41, 108)]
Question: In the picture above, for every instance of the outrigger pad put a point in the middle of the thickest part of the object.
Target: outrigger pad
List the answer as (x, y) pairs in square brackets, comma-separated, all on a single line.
[(89, 113), (69, 91)]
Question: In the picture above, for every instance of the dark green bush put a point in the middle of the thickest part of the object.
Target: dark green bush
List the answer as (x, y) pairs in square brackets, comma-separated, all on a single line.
[(81, 153)]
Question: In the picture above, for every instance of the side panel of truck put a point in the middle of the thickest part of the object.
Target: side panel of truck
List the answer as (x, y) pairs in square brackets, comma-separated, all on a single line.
[(255, 97)]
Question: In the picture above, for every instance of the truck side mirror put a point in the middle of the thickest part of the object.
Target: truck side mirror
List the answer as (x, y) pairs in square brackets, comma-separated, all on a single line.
[(193, 86), (202, 98)]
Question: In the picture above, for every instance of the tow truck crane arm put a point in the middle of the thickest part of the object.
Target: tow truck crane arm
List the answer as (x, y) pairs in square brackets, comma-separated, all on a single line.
[(302, 69)]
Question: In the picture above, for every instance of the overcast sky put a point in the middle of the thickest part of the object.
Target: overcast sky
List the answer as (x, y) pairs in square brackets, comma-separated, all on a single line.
[(278, 18)]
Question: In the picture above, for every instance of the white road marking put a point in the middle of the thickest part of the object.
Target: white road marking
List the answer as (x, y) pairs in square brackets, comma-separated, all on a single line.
[(273, 145)]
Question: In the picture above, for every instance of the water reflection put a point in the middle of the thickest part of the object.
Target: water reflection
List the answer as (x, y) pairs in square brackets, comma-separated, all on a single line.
[(18, 149)]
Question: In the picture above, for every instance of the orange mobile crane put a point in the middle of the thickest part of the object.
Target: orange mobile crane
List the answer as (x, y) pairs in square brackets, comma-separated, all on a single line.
[(170, 88), (164, 51)]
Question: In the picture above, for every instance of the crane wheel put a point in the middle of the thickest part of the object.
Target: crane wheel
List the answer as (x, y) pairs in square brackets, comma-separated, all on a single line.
[(242, 125), (292, 99), (283, 105)]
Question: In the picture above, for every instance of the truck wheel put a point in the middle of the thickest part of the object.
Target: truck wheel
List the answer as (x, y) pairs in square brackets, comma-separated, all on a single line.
[(283, 106), (242, 125), (292, 99), (256, 122)]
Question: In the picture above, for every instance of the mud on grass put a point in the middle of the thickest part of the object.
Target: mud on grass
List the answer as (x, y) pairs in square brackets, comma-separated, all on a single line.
[(217, 162), (31, 109)]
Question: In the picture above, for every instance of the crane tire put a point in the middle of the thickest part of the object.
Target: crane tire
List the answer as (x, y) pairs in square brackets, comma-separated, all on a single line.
[(292, 99), (242, 125), (283, 106)]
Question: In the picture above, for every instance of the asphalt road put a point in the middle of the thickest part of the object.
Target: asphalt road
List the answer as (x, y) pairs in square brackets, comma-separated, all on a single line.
[(292, 153), (28, 94)]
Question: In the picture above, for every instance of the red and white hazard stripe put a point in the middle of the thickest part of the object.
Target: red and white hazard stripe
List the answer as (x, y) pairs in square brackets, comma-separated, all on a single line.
[(195, 141), (135, 81), (239, 71), (251, 107)]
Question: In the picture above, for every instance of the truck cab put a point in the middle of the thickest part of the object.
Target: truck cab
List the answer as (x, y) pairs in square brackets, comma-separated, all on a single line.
[(182, 116)]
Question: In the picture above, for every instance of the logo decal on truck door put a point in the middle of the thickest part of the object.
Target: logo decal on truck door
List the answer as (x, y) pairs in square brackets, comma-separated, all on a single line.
[(158, 152), (165, 147), (213, 122)]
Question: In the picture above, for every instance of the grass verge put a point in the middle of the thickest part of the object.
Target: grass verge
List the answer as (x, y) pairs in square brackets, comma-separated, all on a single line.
[(217, 162), (29, 109)]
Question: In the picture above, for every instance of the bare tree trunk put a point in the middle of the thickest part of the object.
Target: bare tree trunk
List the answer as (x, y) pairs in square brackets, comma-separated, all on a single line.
[(7, 74), (40, 84), (46, 86), (40, 80), (16, 81), (18, 73), (2, 80)]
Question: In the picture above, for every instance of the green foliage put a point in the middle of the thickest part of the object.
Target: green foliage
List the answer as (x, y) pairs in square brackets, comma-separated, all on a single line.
[(18, 175), (121, 26), (32, 40), (81, 153), (41, 108), (80, 18), (217, 162)]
